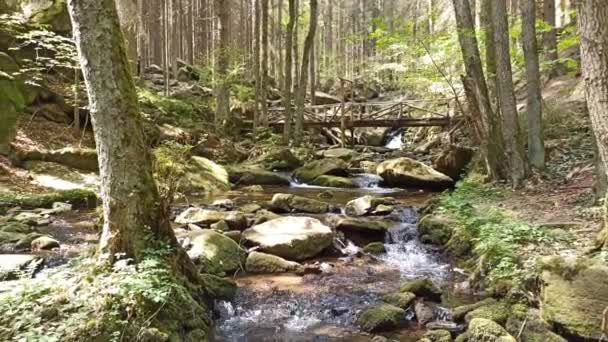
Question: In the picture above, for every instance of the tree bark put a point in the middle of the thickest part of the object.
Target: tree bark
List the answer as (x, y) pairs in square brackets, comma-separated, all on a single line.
[(486, 22), (592, 16), (506, 95), (306, 55), (264, 67), (134, 218), (256, 64), (550, 37), (536, 147), (491, 135), (223, 120), (287, 93)]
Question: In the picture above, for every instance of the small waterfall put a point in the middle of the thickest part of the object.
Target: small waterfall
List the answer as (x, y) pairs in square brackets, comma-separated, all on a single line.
[(394, 140)]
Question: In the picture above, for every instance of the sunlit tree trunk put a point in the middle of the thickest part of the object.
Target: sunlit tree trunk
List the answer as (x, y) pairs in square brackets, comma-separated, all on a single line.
[(536, 147), (256, 64), (306, 56), (506, 95), (592, 16), (287, 93), (490, 50), (223, 121), (264, 66)]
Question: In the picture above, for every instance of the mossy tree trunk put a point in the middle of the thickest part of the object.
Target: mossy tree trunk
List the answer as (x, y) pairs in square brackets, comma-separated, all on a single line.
[(223, 119), (135, 220), (592, 16), (287, 93)]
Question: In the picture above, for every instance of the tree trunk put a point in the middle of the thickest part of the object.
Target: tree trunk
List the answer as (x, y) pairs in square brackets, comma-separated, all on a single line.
[(256, 64), (486, 22), (306, 55), (491, 135), (313, 74), (223, 121), (134, 218), (550, 37), (264, 71), (536, 147), (287, 93), (129, 16), (592, 16), (506, 95)]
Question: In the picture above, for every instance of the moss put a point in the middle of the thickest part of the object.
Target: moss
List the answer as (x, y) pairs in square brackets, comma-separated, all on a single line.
[(11, 102), (497, 312), (400, 299), (423, 287), (218, 287), (460, 243), (203, 175), (218, 250), (381, 318), (436, 229), (374, 248), (278, 159), (438, 336), (485, 330), (79, 198), (334, 182), (535, 328), (329, 166), (266, 263), (459, 312)]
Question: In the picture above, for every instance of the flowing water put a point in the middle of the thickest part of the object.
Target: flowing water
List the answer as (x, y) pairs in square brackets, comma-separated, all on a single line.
[(324, 307)]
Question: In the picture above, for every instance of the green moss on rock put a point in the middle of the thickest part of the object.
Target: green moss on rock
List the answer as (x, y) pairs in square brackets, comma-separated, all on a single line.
[(218, 287), (400, 299), (422, 287), (436, 229), (78, 198), (485, 330), (459, 312), (374, 248), (437, 336), (381, 317), (329, 166), (497, 312), (334, 182), (266, 263), (217, 249)]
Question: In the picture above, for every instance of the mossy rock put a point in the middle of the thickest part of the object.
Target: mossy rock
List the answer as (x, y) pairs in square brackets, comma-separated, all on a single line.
[(267, 263), (459, 312), (78, 198), (383, 317), (497, 312), (535, 328), (281, 159), (400, 299), (367, 205), (334, 182), (11, 102), (437, 336), (245, 176), (575, 300), (329, 166), (436, 229), (15, 227), (55, 175), (291, 203), (460, 243), (374, 248), (203, 175), (217, 249), (406, 173), (485, 330), (218, 287), (422, 287)]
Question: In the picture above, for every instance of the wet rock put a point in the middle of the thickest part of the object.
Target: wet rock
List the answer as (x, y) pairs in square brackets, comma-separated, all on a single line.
[(422, 287), (498, 312), (235, 235), (311, 269), (44, 243), (264, 215), (266, 263), (292, 203), (400, 299), (574, 295), (436, 336), (227, 204), (446, 325), (366, 205), (326, 194), (216, 250), (218, 287), (424, 312), (235, 220), (292, 238), (334, 182), (203, 175), (454, 161), (436, 229), (280, 159), (459, 312), (252, 176), (252, 188), (250, 208), (314, 169), (374, 248), (406, 172), (383, 209), (383, 317), (220, 226), (485, 330), (368, 166), (535, 328), (359, 229)]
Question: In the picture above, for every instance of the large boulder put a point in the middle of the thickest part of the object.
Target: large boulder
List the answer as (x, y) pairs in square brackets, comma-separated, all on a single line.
[(292, 238), (48, 12), (400, 299), (281, 159), (314, 169), (454, 161), (360, 229), (322, 98), (252, 176), (406, 173), (203, 175), (436, 229), (258, 262), (574, 296), (194, 215), (372, 136), (215, 250), (291, 203), (498, 312), (381, 317), (534, 329), (11, 102), (422, 287), (341, 153)]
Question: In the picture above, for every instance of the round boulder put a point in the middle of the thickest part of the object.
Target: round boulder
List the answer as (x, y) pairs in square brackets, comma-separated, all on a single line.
[(406, 173)]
